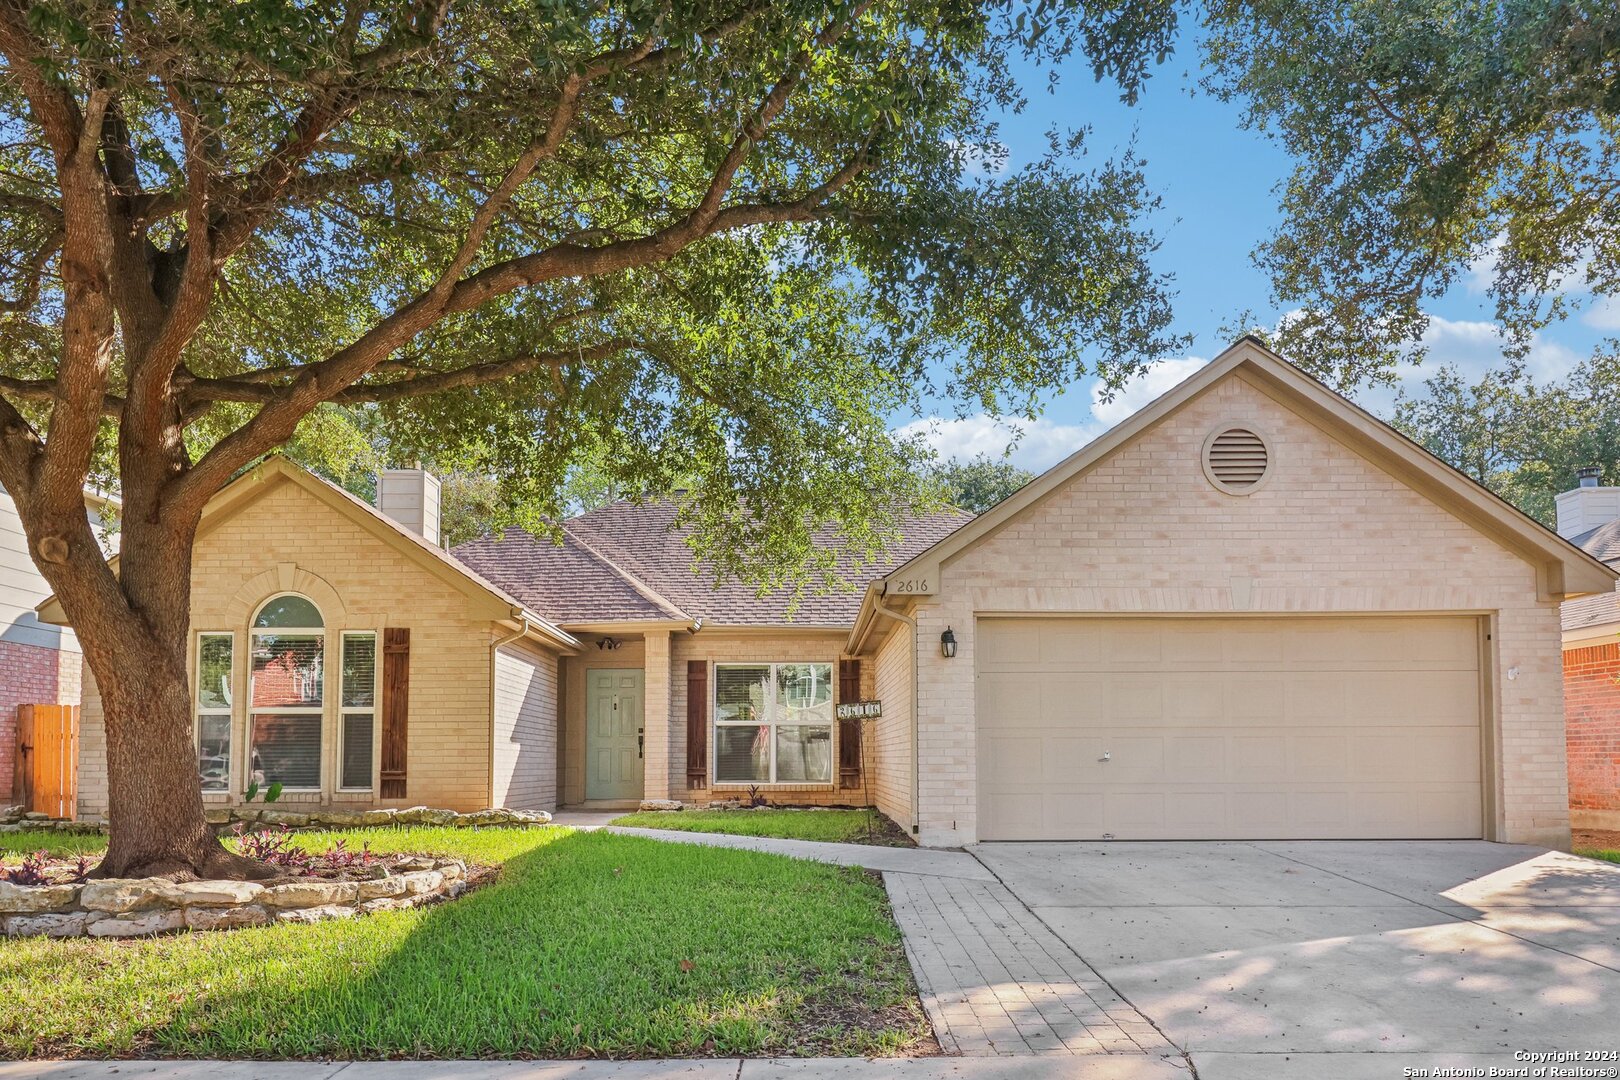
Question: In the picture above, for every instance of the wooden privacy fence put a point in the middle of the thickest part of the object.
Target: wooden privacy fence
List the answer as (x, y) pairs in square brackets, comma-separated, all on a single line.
[(47, 777)]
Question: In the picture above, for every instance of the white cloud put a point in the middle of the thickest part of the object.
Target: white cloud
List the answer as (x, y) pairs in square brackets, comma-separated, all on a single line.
[(1039, 444), (1036, 444), (1158, 379), (1603, 313)]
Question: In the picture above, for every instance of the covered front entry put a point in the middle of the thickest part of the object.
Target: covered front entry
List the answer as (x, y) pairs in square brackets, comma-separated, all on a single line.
[(614, 734), (1229, 728)]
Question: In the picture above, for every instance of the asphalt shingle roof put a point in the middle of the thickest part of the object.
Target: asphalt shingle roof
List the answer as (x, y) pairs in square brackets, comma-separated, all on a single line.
[(628, 561), (1602, 543)]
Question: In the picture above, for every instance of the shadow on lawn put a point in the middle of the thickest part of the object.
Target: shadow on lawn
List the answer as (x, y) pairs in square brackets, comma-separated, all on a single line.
[(588, 945)]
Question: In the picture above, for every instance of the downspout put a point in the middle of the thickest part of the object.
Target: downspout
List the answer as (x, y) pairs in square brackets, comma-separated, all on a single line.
[(495, 647), (916, 769)]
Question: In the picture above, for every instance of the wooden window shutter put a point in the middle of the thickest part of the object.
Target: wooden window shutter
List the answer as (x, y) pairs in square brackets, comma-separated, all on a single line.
[(697, 724), (849, 731), (396, 698)]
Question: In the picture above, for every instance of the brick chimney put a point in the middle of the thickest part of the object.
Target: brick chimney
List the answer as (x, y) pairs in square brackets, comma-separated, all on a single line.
[(411, 497), (1586, 506)]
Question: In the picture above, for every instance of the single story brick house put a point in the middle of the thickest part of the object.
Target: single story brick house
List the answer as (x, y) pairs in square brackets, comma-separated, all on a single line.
[(1589, 517), (1252, 610)]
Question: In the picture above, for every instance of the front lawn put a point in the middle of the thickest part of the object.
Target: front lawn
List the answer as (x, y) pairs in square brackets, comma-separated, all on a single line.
[(590, 944), (832, 826), (1598, 844)]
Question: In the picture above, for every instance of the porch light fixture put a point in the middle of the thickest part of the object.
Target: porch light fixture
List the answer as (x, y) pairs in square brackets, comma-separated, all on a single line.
[(947, 643), (608, 644)]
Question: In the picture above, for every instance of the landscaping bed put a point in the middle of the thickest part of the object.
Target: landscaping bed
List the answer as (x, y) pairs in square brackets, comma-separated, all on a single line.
[(585, 945), (829, 826)]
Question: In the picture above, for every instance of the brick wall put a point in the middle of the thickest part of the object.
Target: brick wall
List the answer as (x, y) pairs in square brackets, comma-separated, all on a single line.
[(288, 541), (1143, 531), (29, 675), (1592, 733)]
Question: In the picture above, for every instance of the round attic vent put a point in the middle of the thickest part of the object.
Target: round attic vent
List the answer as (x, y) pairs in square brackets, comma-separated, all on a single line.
[(1237, 460)]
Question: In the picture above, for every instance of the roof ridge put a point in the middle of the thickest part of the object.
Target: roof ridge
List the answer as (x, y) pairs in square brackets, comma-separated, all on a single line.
[(646, 591)]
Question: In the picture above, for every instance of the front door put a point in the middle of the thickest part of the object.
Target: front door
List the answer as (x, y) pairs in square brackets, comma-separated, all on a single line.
[(613, 733)]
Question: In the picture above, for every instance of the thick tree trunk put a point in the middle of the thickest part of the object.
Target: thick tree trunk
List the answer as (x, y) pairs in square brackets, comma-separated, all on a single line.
[(134, 633)]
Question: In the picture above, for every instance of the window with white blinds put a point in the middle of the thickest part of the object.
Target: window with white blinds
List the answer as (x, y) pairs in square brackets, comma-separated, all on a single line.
[(358, 714), (287, 694), (773, 723), (213, 710)]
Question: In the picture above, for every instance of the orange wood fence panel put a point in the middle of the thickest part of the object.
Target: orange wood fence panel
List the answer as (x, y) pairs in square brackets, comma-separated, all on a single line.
[(48, 758)]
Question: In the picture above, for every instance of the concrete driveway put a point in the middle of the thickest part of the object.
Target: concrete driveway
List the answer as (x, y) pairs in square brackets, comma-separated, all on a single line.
[(1259, 959)]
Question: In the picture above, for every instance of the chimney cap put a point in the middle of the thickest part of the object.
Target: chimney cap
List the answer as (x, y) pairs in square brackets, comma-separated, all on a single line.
[(1588, 475)]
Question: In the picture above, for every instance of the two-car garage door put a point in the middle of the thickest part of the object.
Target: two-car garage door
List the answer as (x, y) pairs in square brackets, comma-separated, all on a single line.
[(1206, 728)]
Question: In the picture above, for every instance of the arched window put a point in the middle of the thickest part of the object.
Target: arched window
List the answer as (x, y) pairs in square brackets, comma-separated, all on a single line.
[(287, 694)]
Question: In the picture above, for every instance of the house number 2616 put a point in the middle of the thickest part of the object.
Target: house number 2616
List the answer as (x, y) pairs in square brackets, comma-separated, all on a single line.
[(909, 585)]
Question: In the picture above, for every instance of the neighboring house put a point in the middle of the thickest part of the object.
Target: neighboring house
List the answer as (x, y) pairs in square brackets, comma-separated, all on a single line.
[(39, 661), (1589, 517), (1250, 611)]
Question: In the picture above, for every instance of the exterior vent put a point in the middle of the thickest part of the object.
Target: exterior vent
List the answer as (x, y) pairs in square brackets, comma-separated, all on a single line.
[(1237, 460)]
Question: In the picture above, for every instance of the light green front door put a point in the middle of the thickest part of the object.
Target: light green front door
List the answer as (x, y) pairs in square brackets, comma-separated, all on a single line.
[(613, 730)]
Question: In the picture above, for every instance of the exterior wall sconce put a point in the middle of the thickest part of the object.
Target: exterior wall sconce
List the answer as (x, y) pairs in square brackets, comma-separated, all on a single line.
[(608, 644), (947, 643)]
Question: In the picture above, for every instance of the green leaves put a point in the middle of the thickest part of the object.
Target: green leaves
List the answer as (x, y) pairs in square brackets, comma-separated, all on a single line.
[(1430, 137)]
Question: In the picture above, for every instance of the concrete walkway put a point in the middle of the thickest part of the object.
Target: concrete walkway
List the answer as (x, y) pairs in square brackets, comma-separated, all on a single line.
[(894, 860), (935, 1068)]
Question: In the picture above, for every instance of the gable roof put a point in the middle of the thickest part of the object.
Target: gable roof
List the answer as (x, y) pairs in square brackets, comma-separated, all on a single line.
[(1562, 569), (490, 599), (1593, 617), (629, 560)]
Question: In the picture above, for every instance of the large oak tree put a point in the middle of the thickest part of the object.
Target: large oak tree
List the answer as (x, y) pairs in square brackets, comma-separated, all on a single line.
[(719, 240)]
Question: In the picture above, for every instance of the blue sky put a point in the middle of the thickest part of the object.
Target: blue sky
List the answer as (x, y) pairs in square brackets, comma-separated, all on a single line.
[(1217, 183)]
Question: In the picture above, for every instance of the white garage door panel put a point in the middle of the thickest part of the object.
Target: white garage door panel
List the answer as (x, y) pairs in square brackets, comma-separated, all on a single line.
[(1229, 728)]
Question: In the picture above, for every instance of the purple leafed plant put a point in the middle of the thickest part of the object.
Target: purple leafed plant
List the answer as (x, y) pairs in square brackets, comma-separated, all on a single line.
[(272, 846), (339, 857), (31, 871)]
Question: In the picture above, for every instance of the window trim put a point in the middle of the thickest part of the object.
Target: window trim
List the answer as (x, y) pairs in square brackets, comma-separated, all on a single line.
[(252, 713), (770, 722), (198, 710), (344, 712)]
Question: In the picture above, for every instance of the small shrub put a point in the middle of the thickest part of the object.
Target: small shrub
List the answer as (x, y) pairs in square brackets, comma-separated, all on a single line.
[(31, 871), (339, 857), (271, 846)]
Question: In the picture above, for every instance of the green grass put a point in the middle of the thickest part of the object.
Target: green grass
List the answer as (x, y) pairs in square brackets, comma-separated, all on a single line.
[(833, 826), (590, 944), (13, 846), (1606, 854)]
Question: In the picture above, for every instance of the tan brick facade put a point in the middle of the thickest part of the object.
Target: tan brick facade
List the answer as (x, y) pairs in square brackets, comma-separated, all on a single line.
[(288, 541), (1144, 531)]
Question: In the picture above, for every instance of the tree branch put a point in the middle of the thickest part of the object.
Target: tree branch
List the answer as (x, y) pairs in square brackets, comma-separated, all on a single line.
[(58, 113)]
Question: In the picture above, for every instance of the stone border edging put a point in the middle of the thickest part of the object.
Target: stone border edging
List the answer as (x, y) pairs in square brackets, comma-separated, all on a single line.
[(138, 907), (14, 820)]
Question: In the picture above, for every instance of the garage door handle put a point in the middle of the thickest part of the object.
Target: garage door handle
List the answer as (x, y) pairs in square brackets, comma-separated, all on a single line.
[(1106, 756)]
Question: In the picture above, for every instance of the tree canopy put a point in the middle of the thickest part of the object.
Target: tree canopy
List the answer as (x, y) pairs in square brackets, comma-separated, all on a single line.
[(1430, 139), (980, 483)]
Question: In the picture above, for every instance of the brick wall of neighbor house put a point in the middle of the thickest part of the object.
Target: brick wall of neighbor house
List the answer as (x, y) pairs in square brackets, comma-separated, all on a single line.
[(525, 727), (29, 675), (891, 736), (1143, 531), (1592, 718), (769, 647), (288, 541)]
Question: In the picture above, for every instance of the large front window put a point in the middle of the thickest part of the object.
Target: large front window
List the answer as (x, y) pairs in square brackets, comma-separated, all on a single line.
[(773, 723), (287, 694)]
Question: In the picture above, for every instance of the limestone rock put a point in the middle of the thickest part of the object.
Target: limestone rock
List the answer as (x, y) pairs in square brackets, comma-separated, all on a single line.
[(67, 924), (343, 819), (422, 881), (32, 899), (378, 817), (385, 903), (227, 918), (452, 869), (289, 818), (217, 893), (217, 815), (380, 888), (315, 914), (303, 894), (128, 894), (138, 924)]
